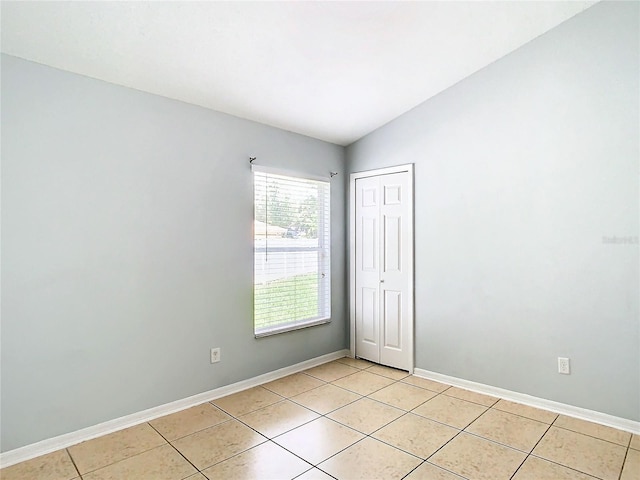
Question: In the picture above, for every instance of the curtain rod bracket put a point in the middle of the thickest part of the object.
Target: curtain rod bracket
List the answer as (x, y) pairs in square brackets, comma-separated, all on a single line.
[(252, 159), (333, 174)]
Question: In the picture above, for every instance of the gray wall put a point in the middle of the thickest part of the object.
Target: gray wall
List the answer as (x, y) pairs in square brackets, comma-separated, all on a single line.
[(127, 250), (521, 169)]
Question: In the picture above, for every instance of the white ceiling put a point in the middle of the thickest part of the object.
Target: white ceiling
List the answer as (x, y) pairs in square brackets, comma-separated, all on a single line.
[(331, 70)]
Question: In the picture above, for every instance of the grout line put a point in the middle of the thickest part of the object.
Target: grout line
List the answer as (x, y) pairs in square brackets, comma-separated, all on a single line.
[(266, 439), (73, 462), (540, 439), (530, 452), (471, 401), (624, 460), (468, 401), (591, 436), (335, 409), (557, 463), (324, 460), (247, 413), (416, 467), (233, 456), (345, 448), (591, 475), (306, 471), (172, 446), (195, 431), (293, 453), (520, 466), (447, 470), (444, 445), (456, 475), (282, 433), (117, 461), (493, 407), (510, 447)]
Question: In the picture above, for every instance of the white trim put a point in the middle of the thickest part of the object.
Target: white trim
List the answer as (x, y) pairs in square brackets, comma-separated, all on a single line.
[(289, 173), (291, 327), (352, 258), (408, 167), (49, 445), (556, 407)]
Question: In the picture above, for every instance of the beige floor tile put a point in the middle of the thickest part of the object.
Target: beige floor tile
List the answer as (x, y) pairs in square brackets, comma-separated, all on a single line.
[(593, 430), (425, 383), (331, 371), (363, 382), (370, 459), (264, 462), (108, 449), (635, 442), (215, 444), (631, 469), (586, 454), (191, 420), (543, 416), (470, 396), (278, 418), (326, 398), (160, 463), (247, 401), (197, 476), (366, 415), (392, 373), (535, 468), (403, 395), (314, 474), (52, 466), (427, 471), (450, 410), (356, 362), (478, 459), (416, 435), (509, 429), (318, 440), (293, 384)]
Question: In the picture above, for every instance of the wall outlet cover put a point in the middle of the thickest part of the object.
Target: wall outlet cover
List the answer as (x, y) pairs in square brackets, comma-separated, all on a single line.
[(215, 355), (564, 366)]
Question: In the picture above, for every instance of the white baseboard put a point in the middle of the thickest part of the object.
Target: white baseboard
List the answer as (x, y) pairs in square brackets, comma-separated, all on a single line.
[(49, 445), (556, 407)]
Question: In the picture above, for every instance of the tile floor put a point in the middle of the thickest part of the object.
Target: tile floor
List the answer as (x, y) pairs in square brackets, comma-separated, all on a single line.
[(349, 419)]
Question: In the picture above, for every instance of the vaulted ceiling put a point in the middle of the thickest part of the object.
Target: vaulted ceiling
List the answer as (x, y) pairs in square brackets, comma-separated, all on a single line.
[(330, 70)]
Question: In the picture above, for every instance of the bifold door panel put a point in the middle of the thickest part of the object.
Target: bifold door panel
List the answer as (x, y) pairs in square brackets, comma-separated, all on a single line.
[(382, 273)]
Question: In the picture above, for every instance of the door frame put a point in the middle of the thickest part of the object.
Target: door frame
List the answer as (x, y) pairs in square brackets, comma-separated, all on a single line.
[(352, 259)]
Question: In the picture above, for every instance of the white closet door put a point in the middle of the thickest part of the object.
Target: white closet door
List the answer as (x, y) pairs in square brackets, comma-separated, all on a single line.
[(383, 256), (368, 268)]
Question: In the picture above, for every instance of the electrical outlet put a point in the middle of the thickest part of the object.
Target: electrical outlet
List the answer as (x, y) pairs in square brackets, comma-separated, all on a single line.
[(215, 355), (564, 366)]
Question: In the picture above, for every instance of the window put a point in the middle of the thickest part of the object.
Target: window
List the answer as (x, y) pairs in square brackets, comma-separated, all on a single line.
[(292, 286)]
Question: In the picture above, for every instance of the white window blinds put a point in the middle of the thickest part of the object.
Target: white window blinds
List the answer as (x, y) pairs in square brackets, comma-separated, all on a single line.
[(291, 252)]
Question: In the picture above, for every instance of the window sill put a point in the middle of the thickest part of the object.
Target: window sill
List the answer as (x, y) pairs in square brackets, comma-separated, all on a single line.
[(290, 328)]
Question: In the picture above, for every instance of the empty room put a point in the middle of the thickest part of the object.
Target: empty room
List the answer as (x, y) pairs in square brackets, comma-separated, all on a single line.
[(320, 240)]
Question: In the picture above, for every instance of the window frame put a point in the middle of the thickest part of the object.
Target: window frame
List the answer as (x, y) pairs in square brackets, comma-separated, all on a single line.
[(323, 249)]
